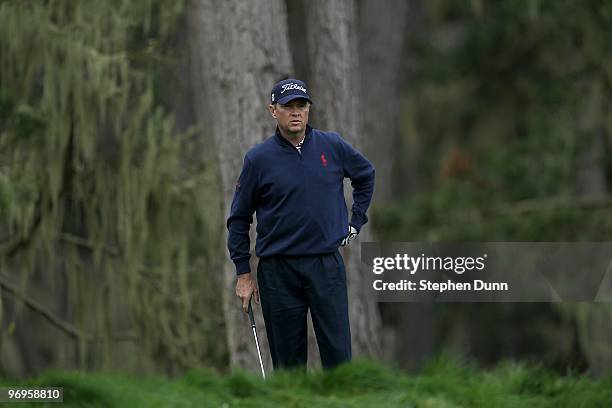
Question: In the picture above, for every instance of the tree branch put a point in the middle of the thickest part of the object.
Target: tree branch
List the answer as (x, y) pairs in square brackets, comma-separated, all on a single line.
[(547, 204), (60, 324)]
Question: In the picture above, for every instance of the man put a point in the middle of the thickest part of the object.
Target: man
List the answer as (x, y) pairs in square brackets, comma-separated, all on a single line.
[(294, 182)]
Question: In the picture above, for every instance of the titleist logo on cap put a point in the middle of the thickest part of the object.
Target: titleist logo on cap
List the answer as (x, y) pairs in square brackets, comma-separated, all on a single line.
[(292, 86), (288, 90)]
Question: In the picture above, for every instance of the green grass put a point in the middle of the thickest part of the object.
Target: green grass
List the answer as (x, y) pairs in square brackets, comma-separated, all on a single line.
[(444, 383)]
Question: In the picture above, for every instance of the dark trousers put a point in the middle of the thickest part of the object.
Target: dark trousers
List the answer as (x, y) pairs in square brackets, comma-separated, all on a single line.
[(288, 287)]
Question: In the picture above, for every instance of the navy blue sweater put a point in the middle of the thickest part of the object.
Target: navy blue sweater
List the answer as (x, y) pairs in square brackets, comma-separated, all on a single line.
[(298, 197)]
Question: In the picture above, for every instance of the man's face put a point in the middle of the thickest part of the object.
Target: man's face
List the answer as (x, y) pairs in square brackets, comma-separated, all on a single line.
[(292, 117)]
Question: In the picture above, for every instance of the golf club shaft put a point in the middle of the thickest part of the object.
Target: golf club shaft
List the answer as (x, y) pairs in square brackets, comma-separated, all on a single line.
[(252, 318)]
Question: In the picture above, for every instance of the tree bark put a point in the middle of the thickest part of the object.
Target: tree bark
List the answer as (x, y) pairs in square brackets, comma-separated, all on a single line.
[(238, 50), (593, 319), (382, 33), (332, 49)]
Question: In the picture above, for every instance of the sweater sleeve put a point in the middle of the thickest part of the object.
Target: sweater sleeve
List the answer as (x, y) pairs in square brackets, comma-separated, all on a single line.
[(362, 174), (241, 218)]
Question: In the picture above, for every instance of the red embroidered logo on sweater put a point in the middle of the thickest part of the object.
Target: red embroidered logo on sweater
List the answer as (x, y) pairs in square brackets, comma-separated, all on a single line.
[(323, 160)]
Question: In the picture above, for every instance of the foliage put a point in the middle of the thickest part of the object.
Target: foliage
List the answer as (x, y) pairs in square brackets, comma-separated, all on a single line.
[(459, 211), (507, 108), (445, 383), (521, 92), (96, 181)]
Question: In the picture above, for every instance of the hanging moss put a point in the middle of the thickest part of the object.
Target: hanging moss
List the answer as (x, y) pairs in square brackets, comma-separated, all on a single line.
[(93, 177)]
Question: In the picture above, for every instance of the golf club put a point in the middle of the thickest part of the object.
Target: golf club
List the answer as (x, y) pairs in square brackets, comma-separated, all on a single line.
[(252, 318)]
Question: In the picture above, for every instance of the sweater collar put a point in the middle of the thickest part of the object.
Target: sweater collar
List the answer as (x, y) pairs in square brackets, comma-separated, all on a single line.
[(282, 141)]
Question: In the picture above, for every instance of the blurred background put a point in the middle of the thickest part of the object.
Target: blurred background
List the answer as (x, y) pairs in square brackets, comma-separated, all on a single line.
[(123, 126)]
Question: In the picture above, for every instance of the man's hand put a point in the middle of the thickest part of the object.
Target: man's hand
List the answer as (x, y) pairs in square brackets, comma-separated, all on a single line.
[(351, 235), (245, 288)]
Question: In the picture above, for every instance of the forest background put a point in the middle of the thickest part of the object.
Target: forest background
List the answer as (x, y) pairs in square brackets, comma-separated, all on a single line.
[(123, 125)]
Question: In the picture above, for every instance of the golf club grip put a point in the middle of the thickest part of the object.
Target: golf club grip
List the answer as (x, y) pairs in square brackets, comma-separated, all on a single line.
[(251, 317)]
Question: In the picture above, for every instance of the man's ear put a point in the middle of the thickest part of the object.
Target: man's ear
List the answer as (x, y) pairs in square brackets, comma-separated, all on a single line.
[(272, 109)]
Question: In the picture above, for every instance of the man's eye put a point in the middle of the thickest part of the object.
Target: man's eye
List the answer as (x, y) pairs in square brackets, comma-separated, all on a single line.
[(300, 105)]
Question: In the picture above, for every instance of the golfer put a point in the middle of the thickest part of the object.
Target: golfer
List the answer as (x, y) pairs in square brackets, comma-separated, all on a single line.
[(293, 181)]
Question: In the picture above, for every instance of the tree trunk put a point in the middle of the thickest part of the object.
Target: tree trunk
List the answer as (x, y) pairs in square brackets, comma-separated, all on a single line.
[(593, 319), (238, 50), (382, 35), (409, 174), (381, 41), (332, 48)]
